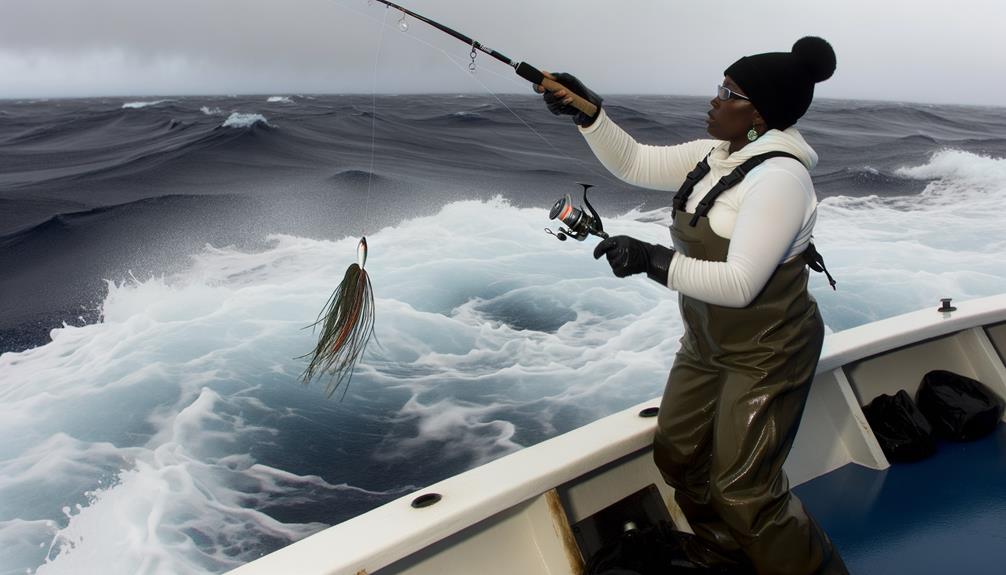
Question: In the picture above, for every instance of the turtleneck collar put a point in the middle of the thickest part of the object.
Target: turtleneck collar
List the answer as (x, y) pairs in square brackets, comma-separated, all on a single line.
[(789, 140)]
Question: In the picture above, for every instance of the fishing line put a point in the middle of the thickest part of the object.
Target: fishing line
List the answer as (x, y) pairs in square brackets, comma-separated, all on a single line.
[(346, 322), (373, 125), (509, 79)]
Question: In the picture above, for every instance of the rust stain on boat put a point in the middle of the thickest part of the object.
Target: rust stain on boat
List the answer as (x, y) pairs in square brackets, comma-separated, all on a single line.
[(562, 528)]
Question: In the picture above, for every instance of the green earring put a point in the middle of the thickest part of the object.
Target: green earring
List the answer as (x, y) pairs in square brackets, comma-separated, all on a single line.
[(752, 134)]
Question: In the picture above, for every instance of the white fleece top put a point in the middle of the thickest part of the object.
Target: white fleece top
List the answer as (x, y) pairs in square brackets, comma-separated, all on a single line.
[(768, 217)]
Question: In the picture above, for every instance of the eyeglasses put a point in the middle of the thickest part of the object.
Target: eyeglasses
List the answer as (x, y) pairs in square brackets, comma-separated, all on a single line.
[(725, 94)]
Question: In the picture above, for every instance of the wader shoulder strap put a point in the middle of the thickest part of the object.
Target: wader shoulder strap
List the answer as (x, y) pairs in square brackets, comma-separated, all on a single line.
[(730, 180), (698, 172), (810, 255)]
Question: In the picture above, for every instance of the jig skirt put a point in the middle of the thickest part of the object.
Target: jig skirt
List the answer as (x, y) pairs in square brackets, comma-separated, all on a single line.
[(346, 325)]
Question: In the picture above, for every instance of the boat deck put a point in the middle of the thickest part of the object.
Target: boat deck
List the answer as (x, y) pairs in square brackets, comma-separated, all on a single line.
[(943, 515)]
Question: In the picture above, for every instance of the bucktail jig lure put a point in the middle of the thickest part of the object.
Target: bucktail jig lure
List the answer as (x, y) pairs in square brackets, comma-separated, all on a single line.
[(347, 324)]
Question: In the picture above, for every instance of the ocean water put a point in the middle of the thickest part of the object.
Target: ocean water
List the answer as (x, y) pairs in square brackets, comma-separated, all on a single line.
[(162, 257)]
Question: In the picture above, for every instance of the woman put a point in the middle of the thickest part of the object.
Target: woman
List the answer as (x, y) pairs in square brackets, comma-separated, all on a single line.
[(753, 333)]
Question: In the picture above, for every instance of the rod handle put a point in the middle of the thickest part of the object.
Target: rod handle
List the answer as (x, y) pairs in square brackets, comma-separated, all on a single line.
[(535, 76)]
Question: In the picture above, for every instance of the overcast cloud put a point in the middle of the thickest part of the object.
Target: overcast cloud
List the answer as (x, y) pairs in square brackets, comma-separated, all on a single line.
[(942, 52)]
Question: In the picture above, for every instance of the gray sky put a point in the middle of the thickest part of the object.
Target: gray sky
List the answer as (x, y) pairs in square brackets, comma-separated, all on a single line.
[(918, 50)]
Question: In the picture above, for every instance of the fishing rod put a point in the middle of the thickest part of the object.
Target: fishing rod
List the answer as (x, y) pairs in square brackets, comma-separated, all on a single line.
[(523, 69)]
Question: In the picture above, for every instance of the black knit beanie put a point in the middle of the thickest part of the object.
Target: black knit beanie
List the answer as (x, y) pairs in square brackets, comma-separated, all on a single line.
[(781, 84)]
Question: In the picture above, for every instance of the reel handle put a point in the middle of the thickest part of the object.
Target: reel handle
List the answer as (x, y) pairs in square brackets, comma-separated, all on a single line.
[(599, 229)]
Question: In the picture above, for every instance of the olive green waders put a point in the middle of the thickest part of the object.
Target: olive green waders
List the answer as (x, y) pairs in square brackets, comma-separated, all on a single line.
[(729, 414)]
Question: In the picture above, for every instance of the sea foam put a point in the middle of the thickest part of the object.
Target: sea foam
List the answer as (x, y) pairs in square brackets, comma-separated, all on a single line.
[(138, 105), (147, 420), (964, 171), (243, 120), (896, 254)]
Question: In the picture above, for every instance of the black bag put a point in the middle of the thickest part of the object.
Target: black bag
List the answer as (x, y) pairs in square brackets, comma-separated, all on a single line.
[(653, 550), (901, 429), (959, 408)]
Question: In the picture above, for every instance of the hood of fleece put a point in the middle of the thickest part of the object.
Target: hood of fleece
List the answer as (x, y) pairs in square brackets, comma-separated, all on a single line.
[(789, 140)]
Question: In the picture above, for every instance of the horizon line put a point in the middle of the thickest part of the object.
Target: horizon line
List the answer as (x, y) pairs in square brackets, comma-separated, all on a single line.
[(453, 94)]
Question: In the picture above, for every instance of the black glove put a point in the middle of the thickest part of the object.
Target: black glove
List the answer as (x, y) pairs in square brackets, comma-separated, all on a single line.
[(628, 256), (556, 106)]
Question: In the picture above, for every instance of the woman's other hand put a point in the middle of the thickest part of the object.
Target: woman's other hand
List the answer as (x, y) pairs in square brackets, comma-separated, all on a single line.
[(628, 256)]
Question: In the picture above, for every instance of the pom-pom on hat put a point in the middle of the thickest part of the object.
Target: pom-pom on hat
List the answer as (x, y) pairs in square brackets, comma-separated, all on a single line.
[(781, 84)]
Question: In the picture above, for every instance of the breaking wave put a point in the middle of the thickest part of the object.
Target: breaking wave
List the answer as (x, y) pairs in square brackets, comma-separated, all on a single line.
[(243, 120), (138, 105)]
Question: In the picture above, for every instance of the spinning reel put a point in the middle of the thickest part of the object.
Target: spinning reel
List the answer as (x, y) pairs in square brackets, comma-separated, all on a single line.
[(579, 223)]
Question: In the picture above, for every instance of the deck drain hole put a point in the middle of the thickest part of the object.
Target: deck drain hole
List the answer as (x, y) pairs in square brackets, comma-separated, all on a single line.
[(649, 412)]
